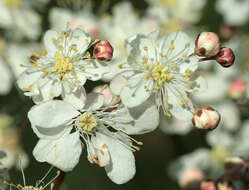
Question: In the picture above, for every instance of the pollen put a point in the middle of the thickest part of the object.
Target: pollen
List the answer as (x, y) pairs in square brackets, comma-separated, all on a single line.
[(62, 65), (87, 122), (160, 74)]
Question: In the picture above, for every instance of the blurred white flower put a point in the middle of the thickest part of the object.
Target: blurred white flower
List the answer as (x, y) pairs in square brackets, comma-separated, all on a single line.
[(62, 128), (159, 67), (62, 69), (174, 14), (234, 12), (22, 52), (83, 19), (18, 17)]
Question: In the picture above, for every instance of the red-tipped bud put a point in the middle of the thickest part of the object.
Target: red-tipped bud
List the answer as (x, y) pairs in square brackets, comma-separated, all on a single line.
[(225, 57), (235, 167), (207, 44), (208, 185), (206, 118), (191, 178), (103, 51), (237, 89)]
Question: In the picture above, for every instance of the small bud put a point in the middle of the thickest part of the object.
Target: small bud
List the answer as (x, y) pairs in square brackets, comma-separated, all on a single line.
[(206, 118), (237, 89), (224, 185), (191, 178), (235, 167), (225, 57), (207, 44), (103, 51), (208, 185)]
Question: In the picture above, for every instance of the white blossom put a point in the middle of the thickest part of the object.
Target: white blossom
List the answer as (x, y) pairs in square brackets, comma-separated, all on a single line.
[(162, 68), (62, 69), (63, 129), (234, 12)]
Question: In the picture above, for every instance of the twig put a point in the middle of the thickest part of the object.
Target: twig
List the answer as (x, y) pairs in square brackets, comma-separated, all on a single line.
[(59, 181)]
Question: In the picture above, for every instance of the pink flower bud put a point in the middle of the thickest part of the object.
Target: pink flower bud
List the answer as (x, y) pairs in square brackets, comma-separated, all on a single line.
[(191, 178), (208, 185), (110, 98), (235, 167), (207, 44), (225, 57), (237, 89), (206, 118), (103, 51)]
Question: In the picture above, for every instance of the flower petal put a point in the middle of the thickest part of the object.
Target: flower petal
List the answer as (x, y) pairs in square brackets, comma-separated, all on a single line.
[(63, 153), (122, 166), (48, 42), (94, 101), (77, 98), (132, 96), (50, 118)]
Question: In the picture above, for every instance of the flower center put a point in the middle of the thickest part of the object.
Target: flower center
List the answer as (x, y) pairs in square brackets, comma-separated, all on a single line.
[(12, 3), (160, 74), (62, 65), (87, 122)]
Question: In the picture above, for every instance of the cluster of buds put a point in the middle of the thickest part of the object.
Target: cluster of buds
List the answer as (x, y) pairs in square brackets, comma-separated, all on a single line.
[(206, 118), (216, 185), (208, 46), (103, 51)]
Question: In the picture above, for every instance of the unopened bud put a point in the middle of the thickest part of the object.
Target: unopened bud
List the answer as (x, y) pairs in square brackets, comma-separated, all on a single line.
[(103, 51), (206, 118), (207, 44), (235, 167), (208, 185), (237, 89), (224, 185), (225, 57), (191, 178)]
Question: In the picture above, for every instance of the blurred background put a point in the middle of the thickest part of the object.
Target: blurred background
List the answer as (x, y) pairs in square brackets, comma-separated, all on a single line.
[(174, 155)]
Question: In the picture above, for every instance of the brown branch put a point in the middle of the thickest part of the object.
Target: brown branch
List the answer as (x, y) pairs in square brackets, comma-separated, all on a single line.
[(59, 181)]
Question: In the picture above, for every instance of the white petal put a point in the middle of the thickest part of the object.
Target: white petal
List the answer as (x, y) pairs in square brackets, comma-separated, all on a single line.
[(26, 80), (77, 98), (48, 42), (181, 112), (122, 167), (63, 153), (94, 101), (134, 96), (50, 118), (80, 39), (101, 150), (117, 84)]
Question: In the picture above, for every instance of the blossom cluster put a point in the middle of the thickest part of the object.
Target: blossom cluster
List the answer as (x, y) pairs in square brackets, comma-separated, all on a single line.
[(92, 80)]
